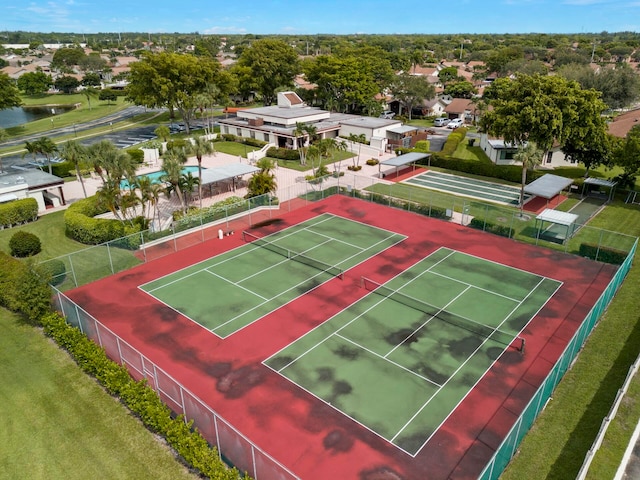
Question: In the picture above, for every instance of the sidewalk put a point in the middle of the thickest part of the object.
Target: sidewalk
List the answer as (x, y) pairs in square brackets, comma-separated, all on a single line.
[(285, 178)]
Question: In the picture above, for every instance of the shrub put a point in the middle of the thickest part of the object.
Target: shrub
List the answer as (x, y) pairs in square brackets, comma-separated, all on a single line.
[(229, 137), (81, 226), (372, 161), (283, 153), (602, 254), (136, 154), (23, 288), (24, 244), (254, 142), (501, 230), (354, 168), (55, 270), (61, 169), (177, 144), (18, 212)]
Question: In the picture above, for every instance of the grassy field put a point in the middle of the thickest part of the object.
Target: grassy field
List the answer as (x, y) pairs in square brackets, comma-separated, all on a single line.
[(57, 423), (78, 115), (556, 446), (337, 157)]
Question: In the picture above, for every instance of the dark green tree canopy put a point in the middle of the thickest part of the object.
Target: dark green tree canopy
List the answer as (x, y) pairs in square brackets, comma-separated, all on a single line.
[(34, 83), (543, 109), (411, 91), (173, 80), (273, 64), (67, 57), (9, 95), (67, 84)]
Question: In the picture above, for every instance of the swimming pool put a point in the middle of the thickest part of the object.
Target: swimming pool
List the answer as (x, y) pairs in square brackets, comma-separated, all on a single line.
[(155, 176)]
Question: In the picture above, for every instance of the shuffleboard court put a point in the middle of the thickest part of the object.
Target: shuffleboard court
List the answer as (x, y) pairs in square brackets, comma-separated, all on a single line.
[(468, 187), (402, 358), (230, 291)]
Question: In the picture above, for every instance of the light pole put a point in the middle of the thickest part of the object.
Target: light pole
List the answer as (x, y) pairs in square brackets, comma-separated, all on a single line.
[(52, 124)]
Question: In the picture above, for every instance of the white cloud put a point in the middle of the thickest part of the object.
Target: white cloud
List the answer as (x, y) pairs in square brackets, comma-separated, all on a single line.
[(226, 29)]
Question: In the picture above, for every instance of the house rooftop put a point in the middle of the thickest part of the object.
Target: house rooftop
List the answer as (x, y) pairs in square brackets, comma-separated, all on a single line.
[(33, 177)]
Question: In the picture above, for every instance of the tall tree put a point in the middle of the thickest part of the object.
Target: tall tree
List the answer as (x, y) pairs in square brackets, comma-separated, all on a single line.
[(173, 81), (626, 154), (200, 147), (529, 155), (411, 91), (540, 109), (48, 148), (273, 63), (305, 134), (34, 83), (172, 163), (9, 94), (75, 153)]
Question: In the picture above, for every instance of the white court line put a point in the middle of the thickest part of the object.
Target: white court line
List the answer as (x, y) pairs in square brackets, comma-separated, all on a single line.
[(234, 284)]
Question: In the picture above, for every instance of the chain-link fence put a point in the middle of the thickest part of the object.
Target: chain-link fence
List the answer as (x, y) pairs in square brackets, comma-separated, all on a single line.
[(232, 445)]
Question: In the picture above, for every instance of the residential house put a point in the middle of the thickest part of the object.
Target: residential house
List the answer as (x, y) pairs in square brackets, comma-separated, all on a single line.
[(462, 108)]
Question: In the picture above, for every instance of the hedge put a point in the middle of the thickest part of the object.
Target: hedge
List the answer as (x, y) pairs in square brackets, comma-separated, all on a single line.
[(136, 154), (140, 399), (82, 227), (602, 254), (18, 212), (61, 169), (481, 224), (283, 153)]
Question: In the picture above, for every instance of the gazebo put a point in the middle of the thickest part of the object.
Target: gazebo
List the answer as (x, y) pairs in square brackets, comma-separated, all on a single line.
[(601, 183), (402, 160), (548, 186), (225, 176), (562, 225)]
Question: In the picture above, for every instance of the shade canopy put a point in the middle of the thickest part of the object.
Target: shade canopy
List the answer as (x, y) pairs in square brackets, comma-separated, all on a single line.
[(548, 186), (406, 159), (557, 217), (226, 172)]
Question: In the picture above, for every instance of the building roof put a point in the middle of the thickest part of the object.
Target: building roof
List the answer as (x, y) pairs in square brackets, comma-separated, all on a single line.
[(625, 122), (405, 159), (225, 172), (402, 129), (459, 105), (33, 177)]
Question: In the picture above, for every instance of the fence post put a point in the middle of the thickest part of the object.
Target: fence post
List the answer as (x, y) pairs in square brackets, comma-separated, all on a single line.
[(110, 259), (73, 271)]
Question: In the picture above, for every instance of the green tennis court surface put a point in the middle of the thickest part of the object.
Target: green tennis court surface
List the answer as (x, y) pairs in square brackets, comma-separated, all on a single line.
[(227, 292), (468, 187), (400, 360)]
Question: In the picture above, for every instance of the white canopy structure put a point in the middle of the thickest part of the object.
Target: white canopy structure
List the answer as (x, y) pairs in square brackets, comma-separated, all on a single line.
[(401, 161), (548, 186), (563, 225)]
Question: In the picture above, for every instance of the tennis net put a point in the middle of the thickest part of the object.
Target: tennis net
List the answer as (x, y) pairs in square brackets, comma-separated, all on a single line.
[(472, 326), (291, 255)]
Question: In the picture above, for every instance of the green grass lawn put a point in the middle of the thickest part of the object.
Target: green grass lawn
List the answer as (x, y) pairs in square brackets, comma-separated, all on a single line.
[(556, 446), (79, 115), (88, 262), (337, 157), (234, 148), (58, 423)]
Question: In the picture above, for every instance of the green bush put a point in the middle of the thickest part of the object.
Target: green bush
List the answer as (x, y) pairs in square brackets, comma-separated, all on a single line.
[(283, 153), (372, 161), (602, 254), (55, 271), (23, 288), (18, 212), (229, 137), (137, 155), (82, 227), (501, 230), (254, 142), (422, 146), (177, 144), (24, 244), (61, 169)]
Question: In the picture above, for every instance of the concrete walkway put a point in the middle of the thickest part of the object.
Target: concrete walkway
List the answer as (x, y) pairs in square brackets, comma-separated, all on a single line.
[(286, 179)]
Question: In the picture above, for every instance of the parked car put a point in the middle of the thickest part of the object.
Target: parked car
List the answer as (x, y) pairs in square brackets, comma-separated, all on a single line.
[(177, 127), (441, 122), (388, 114), (455, 123)]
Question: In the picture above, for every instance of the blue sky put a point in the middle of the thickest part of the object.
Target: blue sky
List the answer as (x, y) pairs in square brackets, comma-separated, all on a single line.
[(324, 16)]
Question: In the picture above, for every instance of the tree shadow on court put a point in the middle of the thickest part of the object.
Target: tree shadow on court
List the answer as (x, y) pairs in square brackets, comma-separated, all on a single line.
[(568, 463)]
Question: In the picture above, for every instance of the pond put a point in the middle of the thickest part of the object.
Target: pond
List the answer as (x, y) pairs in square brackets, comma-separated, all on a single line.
[(12, 117)]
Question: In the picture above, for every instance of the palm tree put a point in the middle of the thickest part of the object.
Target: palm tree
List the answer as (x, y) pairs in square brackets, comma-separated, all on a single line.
[(110, 162), (305, 133), (144, 185), (47, 147), (172, 163), (90, 92), (76, 153), (31, 148), (264, 180), (187, 184), (200, 147), (530, 156)]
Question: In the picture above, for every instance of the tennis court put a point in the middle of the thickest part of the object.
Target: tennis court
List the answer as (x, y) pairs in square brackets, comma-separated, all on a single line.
[(468, 187), (230, 291), (403, 357)]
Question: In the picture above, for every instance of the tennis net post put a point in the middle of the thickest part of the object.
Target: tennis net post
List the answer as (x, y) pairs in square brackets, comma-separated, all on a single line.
[(295, 256), (472, 326)]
